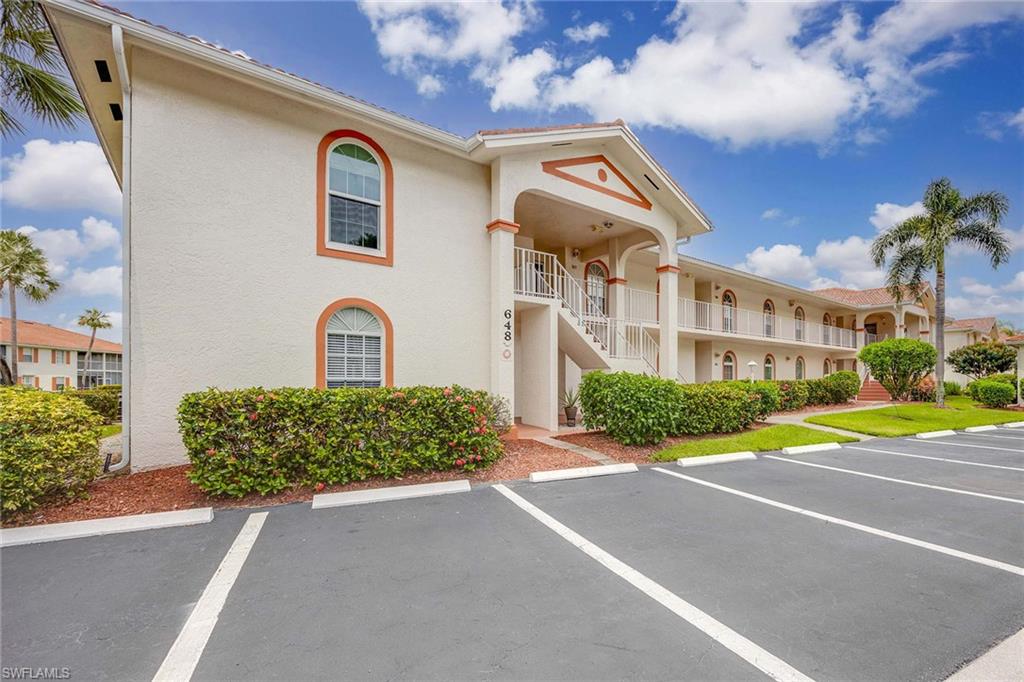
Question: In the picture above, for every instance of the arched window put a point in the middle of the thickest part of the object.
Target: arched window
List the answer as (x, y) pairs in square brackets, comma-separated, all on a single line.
[(769, 367), (769, 317), (354, 346), (595, 277), (728, 366), (827, 368), (799, 318), (728, 311), (826, 328), (354, 194), (800, 371)]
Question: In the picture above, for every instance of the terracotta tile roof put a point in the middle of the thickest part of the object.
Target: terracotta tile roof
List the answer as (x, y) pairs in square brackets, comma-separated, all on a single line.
[(982, 324), (1015, 340), (865, 297), (546, 129), (42, 335)]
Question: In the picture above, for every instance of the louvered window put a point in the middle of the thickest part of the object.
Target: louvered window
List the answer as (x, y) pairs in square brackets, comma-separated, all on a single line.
[(355, 341)]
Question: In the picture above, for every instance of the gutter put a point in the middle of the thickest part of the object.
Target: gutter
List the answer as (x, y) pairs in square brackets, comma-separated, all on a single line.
[(117, 38)]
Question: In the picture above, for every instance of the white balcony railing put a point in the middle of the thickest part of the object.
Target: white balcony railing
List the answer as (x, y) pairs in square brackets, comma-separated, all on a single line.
[(641, 306), (714, 317)]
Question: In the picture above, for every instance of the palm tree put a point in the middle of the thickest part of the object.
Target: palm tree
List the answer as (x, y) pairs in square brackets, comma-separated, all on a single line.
[(30, 66), (23, 268), (918, 245), (94, 319)]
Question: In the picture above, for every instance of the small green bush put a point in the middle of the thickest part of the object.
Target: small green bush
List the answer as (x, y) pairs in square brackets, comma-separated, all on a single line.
[(635, 409), (952, 388), (982, 360), (258, 440), (768, 394), (793, 394), (1008, 379), (818, 392), (994, 393), (899, 364), (104, 400), (842, 386), (49, 447)]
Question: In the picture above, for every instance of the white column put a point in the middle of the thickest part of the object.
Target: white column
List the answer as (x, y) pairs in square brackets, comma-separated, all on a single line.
[(503, 311), (616, 280), (668, 318)]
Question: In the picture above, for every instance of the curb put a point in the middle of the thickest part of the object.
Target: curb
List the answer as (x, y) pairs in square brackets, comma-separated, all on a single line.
[(714, 459), (582, 472), (978, 429), (1014, 425), (52, 532), (817, 447), (398, 492), (936, 434)]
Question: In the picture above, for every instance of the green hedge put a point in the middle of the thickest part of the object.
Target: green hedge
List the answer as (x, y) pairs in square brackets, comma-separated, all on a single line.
[(794, 394), (258, 440), (1008, 379), (49, 447), (993, 393), (835, 389), (635, 409), (104, 400), (768, 394)]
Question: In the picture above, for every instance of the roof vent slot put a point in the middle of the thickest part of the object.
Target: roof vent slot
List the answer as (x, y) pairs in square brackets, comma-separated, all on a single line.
[(103, 71), (561, 144), (115, 111), (648, 178)]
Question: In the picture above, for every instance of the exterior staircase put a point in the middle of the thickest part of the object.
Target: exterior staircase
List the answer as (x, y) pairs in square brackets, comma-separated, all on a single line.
[(873, 391)]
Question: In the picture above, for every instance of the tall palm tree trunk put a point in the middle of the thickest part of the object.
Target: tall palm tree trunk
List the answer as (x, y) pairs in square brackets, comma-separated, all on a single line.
[(940, 330), (14, 335), (88, 359)]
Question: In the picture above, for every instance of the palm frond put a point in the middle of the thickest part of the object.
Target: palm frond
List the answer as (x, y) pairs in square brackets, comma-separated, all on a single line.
[(907, 269), (990, 240), (897, 236)]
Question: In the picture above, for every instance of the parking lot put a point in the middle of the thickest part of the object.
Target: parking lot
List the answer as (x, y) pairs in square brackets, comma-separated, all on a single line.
[(886, 559)]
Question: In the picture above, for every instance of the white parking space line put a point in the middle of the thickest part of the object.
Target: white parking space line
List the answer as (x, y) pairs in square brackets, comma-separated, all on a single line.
[(937, 459), (901, 481), (181, 660), (764, 661), (1000, 436), (941, 549), (968, 445)]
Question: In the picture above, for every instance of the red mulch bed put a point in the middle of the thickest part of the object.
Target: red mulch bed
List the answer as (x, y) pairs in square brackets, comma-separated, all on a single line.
[(638, 454), (169, 489)]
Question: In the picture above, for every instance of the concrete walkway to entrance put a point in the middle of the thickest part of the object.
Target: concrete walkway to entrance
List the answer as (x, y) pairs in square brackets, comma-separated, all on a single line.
[(598, 457), (798, 419)]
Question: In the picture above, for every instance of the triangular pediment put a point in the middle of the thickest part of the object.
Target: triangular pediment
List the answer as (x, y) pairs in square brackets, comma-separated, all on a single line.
[(596, 172)]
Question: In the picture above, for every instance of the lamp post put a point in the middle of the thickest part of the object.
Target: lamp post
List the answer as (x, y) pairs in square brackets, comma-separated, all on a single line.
[(753, 368)]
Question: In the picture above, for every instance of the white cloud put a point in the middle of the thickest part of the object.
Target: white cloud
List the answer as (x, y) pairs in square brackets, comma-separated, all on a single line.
[(587, 34), (771, 214), (750, 65), (976, 288), (1015, 284), (104, 281), (429, 85), (886, 214), (60, 175), (995, 124), (981, 306), (781, 261), (851, 258), (61, 246), (515, 82), (1016, 238)]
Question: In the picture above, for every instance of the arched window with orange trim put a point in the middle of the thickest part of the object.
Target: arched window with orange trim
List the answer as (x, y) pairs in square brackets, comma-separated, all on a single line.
[(801, 369), (799, 319), (728, 366), (827, 367), (768, 309), (354, 346), (595, 280), (728, 311), (769, 367), (826, 328)]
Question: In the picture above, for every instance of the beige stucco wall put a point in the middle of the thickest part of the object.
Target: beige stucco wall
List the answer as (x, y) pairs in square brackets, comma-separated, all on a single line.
[(226, 286), (709, 360)]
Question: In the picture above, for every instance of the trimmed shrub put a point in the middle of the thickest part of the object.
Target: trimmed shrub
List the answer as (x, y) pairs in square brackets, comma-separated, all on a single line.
[(793, 394), (899, 364), (635, 409), (817, 392), (952, 388), (994, 393), (49, 447), (258, 440), (767, 392), (842, 387), (1008, 379), (924, 392), (982, 360), (104, 400)]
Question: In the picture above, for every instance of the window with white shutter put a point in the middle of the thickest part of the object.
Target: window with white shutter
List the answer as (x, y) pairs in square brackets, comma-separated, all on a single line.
[(354, 348)]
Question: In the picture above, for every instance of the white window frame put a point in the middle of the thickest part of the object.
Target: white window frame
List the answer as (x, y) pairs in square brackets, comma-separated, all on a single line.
[(381, 205), (381, 334), (733, 365), (800, 369), (27, 379), (31, 355)]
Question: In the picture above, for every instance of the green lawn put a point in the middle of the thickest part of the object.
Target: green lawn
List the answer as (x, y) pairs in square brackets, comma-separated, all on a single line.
[(773, 437), (905, 420), (110, 430)]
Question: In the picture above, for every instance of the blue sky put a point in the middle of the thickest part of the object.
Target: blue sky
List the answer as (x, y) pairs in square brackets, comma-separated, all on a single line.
[(800, 129)]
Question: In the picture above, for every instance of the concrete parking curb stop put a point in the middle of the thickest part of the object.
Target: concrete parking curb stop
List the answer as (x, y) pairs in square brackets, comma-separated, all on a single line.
[(976, 429), (400, 492), (936, 434), (817, 447), (52, 532), (581, 472), (1014, 425), (714, 459)]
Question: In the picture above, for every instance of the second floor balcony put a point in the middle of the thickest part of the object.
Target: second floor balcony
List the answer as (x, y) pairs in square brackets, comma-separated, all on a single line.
[(724, 319)]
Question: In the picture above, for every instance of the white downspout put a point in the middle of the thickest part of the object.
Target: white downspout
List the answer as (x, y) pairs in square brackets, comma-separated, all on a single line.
[(117, 38)]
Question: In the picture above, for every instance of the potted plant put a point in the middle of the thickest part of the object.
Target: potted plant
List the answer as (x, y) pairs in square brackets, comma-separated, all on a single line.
[(570, 402)]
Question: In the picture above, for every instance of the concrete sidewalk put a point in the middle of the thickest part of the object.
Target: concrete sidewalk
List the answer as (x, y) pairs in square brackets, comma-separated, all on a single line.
[(798, 420)]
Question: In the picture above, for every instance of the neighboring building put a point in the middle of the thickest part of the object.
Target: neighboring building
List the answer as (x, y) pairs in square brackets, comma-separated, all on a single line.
[(279, 233), (966, 332), (53, 359), (1017, 341)]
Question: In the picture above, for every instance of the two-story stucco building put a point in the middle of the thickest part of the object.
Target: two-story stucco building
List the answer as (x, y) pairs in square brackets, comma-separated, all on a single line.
[(52, 359), (277, 232)]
